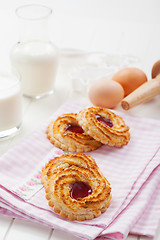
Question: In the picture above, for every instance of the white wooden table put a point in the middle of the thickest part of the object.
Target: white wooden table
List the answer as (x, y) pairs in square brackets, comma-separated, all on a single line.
[(119, 26)]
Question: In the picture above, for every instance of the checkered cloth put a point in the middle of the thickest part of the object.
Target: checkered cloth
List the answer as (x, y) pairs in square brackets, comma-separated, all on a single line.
[(133, 171)]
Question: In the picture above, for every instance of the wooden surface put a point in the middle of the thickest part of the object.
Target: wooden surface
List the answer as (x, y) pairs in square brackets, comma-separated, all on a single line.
[(118, 26)]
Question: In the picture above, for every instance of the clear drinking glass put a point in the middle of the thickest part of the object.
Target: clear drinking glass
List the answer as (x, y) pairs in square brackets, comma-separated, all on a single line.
[(10, 104), (35, 57)]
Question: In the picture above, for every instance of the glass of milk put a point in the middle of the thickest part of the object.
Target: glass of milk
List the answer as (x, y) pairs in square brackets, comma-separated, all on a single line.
[(10, 104), (35, 57)]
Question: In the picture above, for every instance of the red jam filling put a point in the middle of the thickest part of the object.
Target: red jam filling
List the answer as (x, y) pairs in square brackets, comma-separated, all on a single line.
[(80, 190), (104, 120), (74, 128)]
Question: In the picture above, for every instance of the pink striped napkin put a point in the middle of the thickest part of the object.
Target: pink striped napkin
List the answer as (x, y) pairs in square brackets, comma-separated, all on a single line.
[(132, 170)]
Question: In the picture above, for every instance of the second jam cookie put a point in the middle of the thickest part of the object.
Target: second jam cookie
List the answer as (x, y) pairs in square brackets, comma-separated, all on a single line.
[(66, 133), (104, 126)]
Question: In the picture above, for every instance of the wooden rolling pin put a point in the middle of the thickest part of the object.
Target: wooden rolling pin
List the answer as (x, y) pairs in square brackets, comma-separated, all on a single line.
[(146, 91)]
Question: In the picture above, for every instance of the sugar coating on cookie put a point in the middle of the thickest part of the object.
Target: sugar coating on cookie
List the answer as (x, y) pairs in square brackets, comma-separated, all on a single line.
[(75, 187), (104, 126), (66, 134)]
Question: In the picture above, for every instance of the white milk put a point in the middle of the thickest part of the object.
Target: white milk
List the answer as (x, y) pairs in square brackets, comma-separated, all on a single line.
[(37, 63), (10, 103)]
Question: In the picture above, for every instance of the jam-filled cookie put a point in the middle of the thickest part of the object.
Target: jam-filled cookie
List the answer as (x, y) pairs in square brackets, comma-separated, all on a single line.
[(66, 134), (104, 126), (75, 187)]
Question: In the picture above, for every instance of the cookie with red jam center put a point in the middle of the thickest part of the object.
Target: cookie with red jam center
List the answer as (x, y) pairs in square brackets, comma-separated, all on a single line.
[(66, 133), (104, 126), (75, 187)]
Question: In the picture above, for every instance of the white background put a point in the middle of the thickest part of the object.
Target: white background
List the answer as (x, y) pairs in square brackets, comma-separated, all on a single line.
[(117, 26)]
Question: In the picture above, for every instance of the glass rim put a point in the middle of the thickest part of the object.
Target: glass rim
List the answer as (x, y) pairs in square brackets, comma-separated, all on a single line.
[(24, 16)]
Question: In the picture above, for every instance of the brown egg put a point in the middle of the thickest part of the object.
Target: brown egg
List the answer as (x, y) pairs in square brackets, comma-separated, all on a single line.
[(130, 79), (106, 93), (156, 69)]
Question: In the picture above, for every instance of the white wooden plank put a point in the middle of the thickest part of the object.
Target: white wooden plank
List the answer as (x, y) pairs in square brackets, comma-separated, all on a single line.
[(27, 230), (59, 235), (5, 223)]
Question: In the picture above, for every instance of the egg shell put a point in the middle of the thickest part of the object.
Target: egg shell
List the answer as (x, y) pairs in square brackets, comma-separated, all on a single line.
[(156, 69), (106, 93), (130, 79)]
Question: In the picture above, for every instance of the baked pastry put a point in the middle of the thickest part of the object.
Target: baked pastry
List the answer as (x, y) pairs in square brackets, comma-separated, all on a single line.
[(104, 126), (66, 134), (75, 187)]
